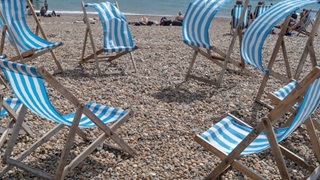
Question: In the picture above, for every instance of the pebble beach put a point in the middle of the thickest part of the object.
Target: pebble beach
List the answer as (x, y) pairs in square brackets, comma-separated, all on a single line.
[(168, 111)]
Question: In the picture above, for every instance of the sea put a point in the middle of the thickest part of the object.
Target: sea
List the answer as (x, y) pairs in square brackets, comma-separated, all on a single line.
[(145, 7)]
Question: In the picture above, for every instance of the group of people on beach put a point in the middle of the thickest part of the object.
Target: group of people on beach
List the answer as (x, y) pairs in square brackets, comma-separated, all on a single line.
[(294, 23), (163, 21), (43, 11)]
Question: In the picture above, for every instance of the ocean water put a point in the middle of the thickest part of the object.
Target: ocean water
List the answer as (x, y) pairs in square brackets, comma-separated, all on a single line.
[(145, 7)]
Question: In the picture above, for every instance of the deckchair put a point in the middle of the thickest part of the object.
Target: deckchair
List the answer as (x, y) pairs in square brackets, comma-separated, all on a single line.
[(260, 9), (231, 138), (27, 44), (117, 39), (27, 84), (195, 34), (10, 106), (306, 22), (256, 34), (236, 13)]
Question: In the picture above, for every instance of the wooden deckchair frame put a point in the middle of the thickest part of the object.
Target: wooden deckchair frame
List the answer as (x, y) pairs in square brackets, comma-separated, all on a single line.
[(94, 56), (30, 54), (63, 169), (223, 59), (14, 115), (267, 125), (308, 50)]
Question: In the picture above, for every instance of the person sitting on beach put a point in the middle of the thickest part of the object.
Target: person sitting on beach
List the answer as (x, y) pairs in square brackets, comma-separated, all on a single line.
[(295, 24), (165, 22), (43, 12), (27, 11), (178, 20)]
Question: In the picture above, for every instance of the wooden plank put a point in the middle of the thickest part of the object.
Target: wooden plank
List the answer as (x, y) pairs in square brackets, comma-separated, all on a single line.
[(196, 51), (313, 137), (30, 169), (61, 171), (91, 37), (108, 131), (275, 148), (315, 174)]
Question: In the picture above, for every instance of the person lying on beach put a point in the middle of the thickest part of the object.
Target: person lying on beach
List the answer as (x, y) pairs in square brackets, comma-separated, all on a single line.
[(165, 22), (144, 22)]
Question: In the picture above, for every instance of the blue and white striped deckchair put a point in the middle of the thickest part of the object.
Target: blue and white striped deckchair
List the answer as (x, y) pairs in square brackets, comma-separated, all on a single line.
[(27, 44), (27, 84), (261, 9), (307, 21), (195, 33), (237, 10), (231, 137), (116, 33), (256, 34)]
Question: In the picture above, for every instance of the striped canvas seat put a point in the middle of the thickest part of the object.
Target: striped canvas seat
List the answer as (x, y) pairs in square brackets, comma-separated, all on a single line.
[(27, 83), (13, 12), (35, 97), (261, 9), (116, 32), (117, 39), (226, 135), (282, 92), (237, 10), (259, 29), (14, 103), (19, 34), (197, 20)]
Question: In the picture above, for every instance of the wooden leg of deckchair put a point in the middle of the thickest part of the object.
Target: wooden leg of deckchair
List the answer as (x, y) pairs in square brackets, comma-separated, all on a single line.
[(5, 133), (26, 153), (108, 131), (61, 171), (313, 137), (82, 134), (192, 63), (226, 162), (275, 148), (95, 144), (60, 69), (286, 60), (84, 45), (308, 49), (133, 62), (298, 160), (15, 133)]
